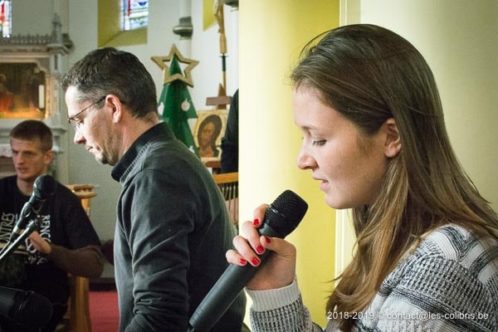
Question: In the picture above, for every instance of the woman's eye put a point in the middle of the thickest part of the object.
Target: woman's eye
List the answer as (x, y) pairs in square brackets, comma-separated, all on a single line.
[(318, 142)]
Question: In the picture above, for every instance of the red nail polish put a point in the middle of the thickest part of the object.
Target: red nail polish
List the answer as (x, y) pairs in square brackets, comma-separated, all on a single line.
[(255, 261), (255, 222), (267, 239), (243, 261), (260, 249)]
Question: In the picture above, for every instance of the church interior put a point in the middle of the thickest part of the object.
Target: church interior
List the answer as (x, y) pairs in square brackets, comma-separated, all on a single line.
[(224, 45)]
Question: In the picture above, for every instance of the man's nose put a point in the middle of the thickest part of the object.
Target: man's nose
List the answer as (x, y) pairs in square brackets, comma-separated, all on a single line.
[(78, 137)]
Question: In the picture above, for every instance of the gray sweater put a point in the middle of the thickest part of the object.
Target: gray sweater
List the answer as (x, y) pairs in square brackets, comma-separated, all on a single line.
[(448, 283)]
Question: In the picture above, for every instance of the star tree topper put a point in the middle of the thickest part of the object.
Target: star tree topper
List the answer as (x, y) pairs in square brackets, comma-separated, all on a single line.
[(168, 78)]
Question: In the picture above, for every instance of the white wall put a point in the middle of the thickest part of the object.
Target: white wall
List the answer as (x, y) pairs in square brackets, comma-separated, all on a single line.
[(205, 47), (80, 18), (22, 16)]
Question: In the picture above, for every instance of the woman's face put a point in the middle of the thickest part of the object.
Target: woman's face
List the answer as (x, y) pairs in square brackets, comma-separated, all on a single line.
[(349, 165)]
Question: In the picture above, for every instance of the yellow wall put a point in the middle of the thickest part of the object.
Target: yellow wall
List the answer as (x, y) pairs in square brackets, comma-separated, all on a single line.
[(459, 41), (271, 35)]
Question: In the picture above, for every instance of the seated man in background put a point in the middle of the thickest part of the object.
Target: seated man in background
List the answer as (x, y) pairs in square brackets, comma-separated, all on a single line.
[(66, 240)]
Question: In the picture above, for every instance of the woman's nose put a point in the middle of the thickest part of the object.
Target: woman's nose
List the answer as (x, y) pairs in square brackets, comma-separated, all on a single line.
[(305, 160)]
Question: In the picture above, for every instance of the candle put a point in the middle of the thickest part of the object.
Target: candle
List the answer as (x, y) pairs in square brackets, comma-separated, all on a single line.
[(41, 96)]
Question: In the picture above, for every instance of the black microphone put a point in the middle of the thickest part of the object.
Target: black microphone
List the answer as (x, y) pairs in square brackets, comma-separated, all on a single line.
[(24, 307), (43, 188), (281, 218)]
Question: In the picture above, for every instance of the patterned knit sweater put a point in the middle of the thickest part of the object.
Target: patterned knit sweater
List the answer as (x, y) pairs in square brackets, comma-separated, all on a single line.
[(448, 283)]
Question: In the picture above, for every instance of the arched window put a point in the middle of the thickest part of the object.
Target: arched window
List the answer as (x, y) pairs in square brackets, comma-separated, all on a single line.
[(5, 18), (134, 14)]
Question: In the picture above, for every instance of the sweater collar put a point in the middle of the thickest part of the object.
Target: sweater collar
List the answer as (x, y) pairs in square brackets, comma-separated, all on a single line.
[(159, 131)]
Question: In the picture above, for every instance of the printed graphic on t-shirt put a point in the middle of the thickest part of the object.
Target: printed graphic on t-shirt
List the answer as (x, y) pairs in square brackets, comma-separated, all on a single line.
[(7, 222)]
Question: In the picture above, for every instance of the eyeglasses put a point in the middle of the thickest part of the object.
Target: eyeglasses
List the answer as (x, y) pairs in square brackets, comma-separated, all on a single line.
[(74, 121)]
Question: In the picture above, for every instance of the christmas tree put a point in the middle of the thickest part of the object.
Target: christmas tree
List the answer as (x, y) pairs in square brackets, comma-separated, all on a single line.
[(175, 103)]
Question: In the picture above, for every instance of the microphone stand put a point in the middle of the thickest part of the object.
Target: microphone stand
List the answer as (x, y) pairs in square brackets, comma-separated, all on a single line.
[(11, 246)]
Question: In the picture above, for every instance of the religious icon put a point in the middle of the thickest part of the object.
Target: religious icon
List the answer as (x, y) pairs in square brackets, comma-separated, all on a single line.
[(209, 130), (22, 91)]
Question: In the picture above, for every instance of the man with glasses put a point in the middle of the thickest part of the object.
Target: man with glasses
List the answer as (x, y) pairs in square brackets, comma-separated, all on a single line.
[(65, 241), (172, 228)]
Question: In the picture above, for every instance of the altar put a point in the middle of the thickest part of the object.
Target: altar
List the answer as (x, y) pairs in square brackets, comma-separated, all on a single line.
[(31, 68)]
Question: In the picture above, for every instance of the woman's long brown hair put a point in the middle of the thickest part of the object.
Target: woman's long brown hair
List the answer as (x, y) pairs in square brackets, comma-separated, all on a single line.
[(370, 74)]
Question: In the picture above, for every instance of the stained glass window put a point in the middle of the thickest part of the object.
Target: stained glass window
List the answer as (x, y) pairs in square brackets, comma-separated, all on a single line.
[(134, 14), (5, 18)]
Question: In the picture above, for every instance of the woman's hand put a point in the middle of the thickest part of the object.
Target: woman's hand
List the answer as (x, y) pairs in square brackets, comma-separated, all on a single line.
[(280, 266)]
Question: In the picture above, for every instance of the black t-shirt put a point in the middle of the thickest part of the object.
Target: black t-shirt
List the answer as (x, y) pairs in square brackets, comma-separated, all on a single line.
[(63, 222)]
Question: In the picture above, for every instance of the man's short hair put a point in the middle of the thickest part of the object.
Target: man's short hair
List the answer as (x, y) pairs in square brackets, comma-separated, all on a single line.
[(33, 130), (110, 71)]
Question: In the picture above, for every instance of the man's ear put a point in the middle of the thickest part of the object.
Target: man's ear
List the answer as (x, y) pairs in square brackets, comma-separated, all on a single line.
[(392, 145), (116, 107), (48, 157)]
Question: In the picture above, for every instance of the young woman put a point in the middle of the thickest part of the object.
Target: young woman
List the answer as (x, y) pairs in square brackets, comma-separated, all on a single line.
[(374, 136)]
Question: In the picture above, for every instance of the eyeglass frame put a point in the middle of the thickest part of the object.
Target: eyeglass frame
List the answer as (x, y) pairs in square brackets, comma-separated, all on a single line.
[(73, 121)]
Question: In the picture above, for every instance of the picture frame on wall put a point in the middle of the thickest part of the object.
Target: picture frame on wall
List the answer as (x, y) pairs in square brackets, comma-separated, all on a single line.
[(22, 91), (209, 129)]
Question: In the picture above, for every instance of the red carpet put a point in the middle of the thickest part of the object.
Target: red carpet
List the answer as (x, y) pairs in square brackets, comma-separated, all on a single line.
[(104, 311)]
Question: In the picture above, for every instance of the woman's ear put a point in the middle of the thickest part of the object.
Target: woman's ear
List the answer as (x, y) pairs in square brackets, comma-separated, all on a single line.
[(392, 145)]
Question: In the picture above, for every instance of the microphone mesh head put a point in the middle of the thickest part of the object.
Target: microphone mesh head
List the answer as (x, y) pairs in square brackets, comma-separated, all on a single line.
[(44, 186), (290, 208)]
